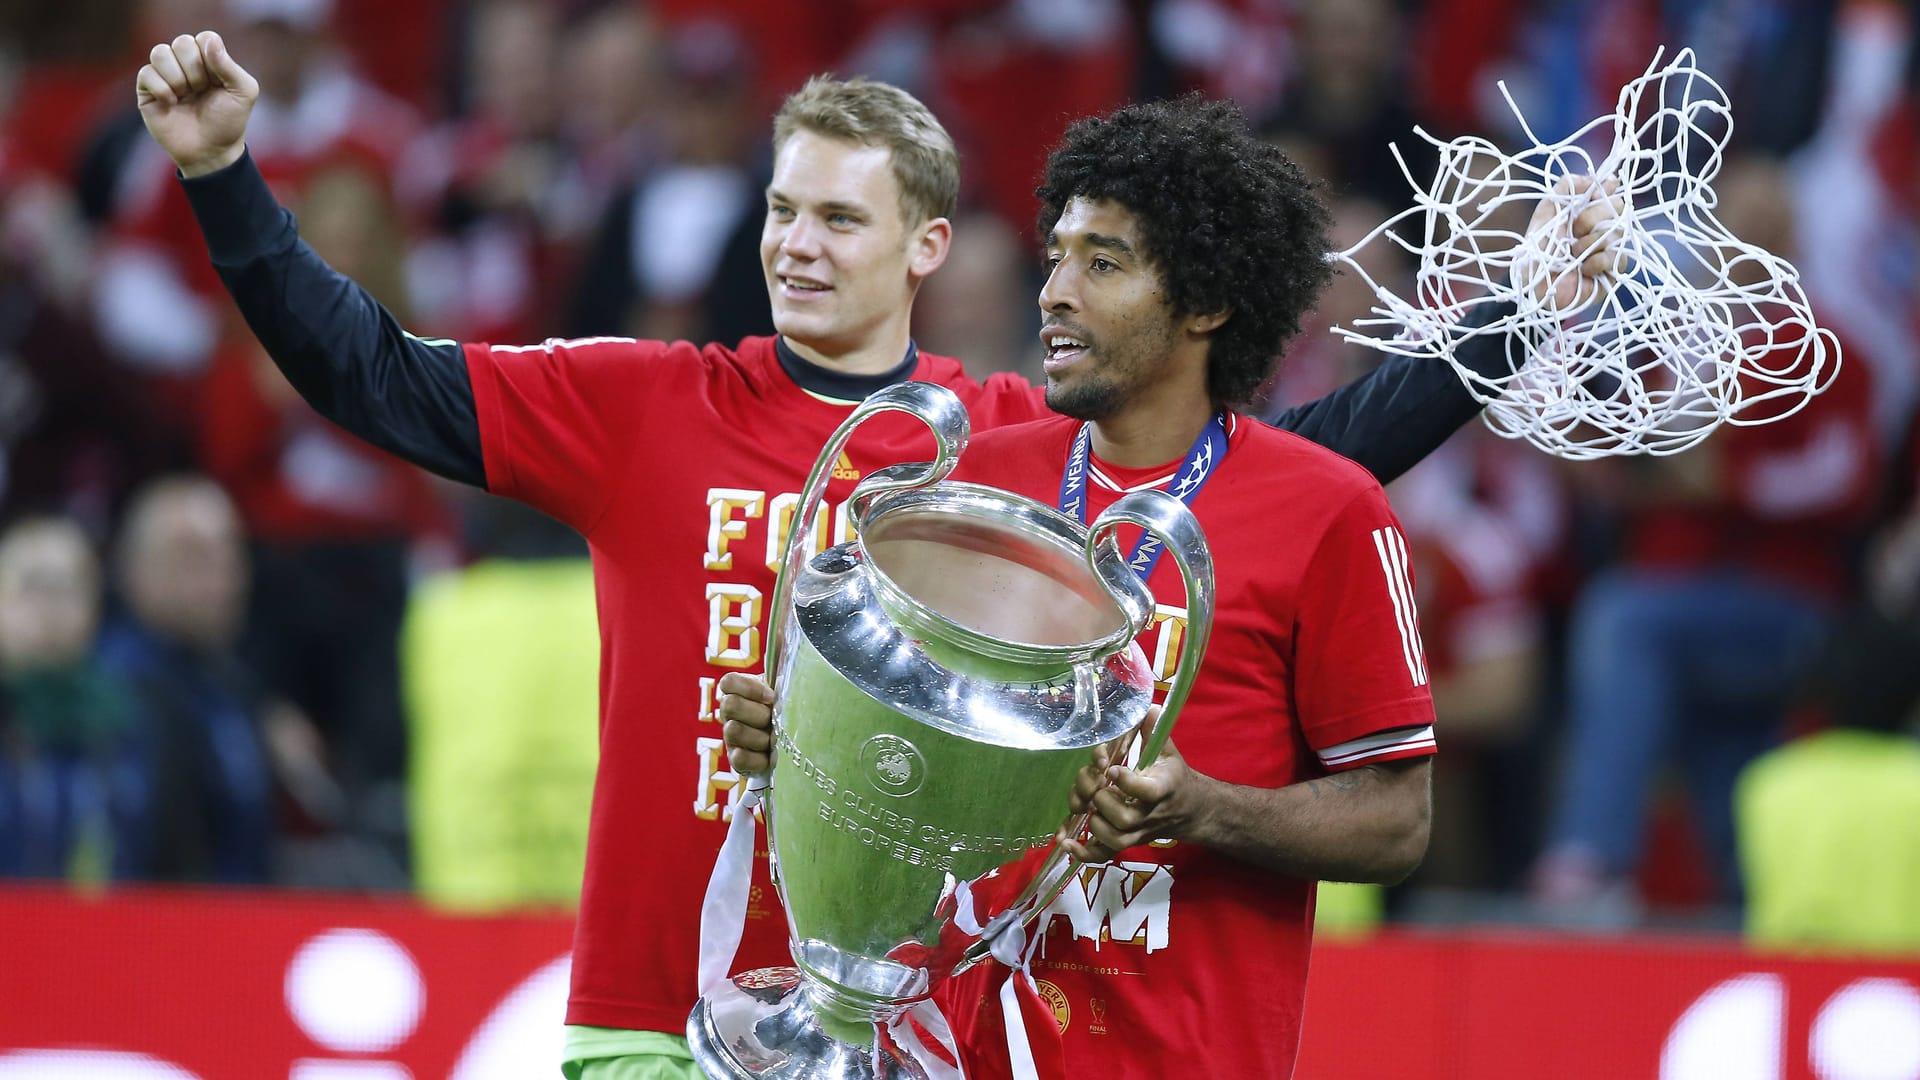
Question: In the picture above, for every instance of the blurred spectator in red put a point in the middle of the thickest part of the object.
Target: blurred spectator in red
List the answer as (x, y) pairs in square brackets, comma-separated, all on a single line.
[(97, 127), (74, 435), (182, 576), (72, 799), (69, 54), (335, 525), (676, 257), (491, 181), (1735, 555), (154, 284)]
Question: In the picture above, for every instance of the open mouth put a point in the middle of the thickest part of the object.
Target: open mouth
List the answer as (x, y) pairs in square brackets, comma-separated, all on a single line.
[(1063, 349)]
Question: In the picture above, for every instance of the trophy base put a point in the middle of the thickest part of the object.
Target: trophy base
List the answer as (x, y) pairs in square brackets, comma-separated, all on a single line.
[(767, 1025)]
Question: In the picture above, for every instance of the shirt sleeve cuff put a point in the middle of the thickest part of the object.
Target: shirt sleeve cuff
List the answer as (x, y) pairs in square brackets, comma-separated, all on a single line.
[(1487, 355), (1379, 746), (237, 212)]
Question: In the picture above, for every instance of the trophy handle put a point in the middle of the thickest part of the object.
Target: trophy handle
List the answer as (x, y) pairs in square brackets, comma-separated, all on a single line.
[(936, 406), (1167, 518)]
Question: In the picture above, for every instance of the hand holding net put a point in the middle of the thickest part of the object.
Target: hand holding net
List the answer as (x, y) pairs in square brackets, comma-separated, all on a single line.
[(1639, 322)]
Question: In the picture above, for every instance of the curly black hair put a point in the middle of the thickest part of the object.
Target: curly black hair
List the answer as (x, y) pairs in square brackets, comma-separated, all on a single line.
[(1230, 221)]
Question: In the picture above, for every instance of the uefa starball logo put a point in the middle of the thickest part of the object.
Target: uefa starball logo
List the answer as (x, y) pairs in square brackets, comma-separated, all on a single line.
[(893, 765)]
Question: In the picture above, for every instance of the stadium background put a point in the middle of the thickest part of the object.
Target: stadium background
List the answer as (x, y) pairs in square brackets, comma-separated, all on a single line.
[(347, 844)]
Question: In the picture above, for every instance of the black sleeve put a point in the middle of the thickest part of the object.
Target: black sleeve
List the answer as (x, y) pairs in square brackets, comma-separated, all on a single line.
[(339, 348), (1397, 414)]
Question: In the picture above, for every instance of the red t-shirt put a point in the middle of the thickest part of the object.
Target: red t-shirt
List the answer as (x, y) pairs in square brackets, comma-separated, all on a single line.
[(673, 460), (1171, 960)]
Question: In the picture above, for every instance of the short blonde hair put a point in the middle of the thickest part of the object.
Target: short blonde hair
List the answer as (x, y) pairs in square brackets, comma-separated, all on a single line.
[(925, 163)]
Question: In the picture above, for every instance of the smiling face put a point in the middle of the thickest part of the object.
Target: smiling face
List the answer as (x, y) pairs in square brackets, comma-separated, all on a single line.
[(841, 264), (1111, 337)]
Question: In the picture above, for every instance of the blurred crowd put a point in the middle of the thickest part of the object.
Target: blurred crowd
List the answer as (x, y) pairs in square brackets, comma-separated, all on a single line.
[(236, 645)]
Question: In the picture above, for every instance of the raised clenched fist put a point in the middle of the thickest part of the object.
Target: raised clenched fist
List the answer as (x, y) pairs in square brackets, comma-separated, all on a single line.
[(195, 99)]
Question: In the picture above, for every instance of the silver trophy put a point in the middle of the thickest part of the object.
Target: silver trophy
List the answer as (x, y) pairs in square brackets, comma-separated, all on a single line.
[(940, 680)]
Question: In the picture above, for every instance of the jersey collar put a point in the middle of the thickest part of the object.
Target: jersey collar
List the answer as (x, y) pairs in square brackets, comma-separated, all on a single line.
[(839, 386)]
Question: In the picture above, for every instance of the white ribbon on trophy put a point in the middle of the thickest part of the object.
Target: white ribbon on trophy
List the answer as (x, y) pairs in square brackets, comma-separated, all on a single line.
[(723, 914)]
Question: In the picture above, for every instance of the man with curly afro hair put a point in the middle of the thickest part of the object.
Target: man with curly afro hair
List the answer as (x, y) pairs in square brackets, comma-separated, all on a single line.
[(1231, 222), (1181, 254)]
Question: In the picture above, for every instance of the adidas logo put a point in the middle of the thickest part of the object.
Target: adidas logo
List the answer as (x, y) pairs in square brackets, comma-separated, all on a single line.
[(844, 470)]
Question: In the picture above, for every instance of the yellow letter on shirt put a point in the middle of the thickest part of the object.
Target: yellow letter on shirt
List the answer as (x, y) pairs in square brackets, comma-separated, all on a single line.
[(733, 626), (723, 527)]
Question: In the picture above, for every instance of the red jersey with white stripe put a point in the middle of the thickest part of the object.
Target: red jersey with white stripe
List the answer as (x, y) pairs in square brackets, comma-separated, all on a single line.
[(681, 464), (1175, 960)]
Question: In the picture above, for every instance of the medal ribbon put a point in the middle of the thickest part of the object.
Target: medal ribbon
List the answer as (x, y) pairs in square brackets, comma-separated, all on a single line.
[(1185, 485)]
